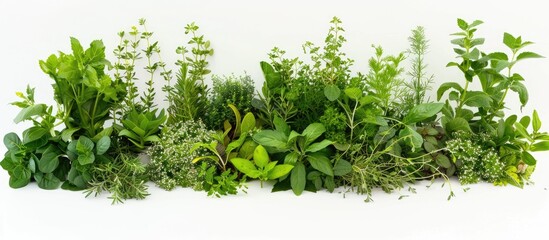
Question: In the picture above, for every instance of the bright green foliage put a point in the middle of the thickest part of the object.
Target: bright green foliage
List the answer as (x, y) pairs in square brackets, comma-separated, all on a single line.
[(220, 184), (420, 81), (171, 158), (235, 90), (84, 91), (142, 129), (384, 81), (261, 167), (188, 98), (231, 143), (303, 151), (123, 177)]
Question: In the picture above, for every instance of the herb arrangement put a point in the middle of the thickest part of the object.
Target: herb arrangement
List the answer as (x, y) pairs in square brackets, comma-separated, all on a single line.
[(314, 125)]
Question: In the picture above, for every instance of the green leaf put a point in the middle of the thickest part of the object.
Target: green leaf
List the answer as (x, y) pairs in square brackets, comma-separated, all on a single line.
[(12, 141), (411, 137), (525, 121), (77, 49), (522, 131), (103, 145), (353, 93), (509, 40), (270, 138), (28, 112), (321, 163), (445, 86), (261, 157), (540, 146), (281, 125), (526, 55), (47, 181), (332, 92), (66, 134), (279, 171), (315, 147), (34, 133), (477, 99), (342, 167), (457, 124), (462, 24), (312, 132), (84, 145), (272, 78), (86, 158), (246, 166), (528, 158), (519, 88), (443, 161), (298, 178), (291, 158), (421, 112), (16, 182), (248, 124), (49, 160), (536, 122)]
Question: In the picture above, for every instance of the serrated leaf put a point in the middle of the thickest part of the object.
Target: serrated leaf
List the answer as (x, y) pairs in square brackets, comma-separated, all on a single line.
[(526, 55)]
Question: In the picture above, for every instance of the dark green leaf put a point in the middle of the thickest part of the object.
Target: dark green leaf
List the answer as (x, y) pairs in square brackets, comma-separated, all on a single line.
[(321, 163), (421, 112), (12, 141), (281, 125), (298, 178), (49, 160), (103, 145), (342, 167), (34, 133), (47, 181)]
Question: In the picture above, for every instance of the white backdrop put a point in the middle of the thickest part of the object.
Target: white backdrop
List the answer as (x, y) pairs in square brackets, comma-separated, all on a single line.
[(242, 33)]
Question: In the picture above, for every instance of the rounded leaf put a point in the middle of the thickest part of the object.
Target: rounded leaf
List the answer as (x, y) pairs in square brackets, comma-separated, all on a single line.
[(261, 157)]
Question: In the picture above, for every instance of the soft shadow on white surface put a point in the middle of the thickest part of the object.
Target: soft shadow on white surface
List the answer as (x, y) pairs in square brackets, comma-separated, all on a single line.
[(242, 32), (483, 212)]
